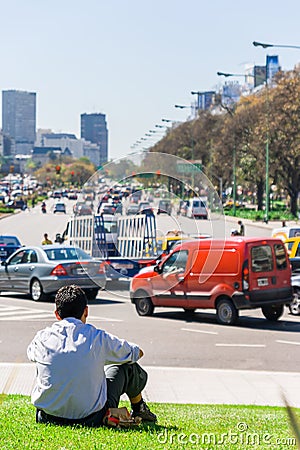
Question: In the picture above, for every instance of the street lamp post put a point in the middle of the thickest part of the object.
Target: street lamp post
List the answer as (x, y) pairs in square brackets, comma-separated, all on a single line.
[(192, 142), (264, 45), (267, 45), (267, 150), (225, 74), (182, 106)]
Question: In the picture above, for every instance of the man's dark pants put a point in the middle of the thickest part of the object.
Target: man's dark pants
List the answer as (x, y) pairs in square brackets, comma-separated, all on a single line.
[(129, 379)]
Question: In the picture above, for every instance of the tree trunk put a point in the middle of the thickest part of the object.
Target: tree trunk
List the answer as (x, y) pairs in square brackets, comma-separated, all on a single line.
[(260, 194), (294, 206)]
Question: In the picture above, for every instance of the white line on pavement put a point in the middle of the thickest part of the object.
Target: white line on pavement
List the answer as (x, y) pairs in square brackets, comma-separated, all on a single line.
[(27, 318), (199, 331), (105, 319), (8, 308), (240, 345), (288, 342), (22, 311)]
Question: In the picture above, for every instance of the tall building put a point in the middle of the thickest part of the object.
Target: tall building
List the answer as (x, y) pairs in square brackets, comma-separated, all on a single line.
[(19, 119), (94, 129)]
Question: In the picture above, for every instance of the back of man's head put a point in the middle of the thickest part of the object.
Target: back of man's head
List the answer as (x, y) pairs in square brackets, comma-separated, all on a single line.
[(70, 301)]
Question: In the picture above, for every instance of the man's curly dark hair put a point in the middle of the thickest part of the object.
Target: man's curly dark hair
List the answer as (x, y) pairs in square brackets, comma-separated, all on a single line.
[(70, 301)]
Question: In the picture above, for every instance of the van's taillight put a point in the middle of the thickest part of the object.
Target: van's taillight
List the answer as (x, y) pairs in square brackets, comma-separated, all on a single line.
[(245, 276), (59, 271)]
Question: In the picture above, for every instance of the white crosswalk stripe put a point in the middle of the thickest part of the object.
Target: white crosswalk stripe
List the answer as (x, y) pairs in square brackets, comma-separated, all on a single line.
[(19, 313)]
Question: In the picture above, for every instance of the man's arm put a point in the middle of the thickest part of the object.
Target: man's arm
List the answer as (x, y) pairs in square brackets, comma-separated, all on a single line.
[(119, 350)]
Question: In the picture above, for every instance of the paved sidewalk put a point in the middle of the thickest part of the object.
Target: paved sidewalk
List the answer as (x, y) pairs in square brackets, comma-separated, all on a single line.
[(187, 385)]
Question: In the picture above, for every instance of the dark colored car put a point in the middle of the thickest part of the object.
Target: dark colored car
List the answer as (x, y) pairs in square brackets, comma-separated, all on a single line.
[(132, 209), (72, 196), (294, 306), (81, 209), (145, 208), (295, 263), (41, 270), (17, 204), (164, 207), (107, 208), (57, 194), (8, 245), (60, 208)]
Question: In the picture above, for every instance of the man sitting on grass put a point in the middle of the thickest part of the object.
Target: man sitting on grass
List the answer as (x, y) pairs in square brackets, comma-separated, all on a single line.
[(73, 386)]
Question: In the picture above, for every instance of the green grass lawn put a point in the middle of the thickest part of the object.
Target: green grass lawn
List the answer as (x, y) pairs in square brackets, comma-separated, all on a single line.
[(179, 426)]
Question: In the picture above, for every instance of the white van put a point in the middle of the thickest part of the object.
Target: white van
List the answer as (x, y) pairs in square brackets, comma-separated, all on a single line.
[(196, 208)]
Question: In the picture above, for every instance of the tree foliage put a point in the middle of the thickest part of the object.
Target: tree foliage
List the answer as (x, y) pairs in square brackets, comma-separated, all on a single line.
[(68, 171), (269, 117)]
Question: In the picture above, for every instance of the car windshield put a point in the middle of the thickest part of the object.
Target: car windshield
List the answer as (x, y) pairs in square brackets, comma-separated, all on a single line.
[(9, 240), (73, 253)]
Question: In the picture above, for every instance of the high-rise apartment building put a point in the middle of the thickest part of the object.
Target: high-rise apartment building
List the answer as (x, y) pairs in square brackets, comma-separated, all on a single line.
[(19, 119), (94, 129)]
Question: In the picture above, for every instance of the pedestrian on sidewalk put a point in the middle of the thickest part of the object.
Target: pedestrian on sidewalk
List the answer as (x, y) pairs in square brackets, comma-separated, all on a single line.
[(82, 371), (242, 228)]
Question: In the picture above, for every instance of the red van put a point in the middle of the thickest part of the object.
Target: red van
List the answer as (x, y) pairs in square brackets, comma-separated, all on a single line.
[(226, 275)]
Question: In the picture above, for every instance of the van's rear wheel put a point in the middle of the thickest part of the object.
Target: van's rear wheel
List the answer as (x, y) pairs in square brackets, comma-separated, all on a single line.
[(227, 314), (144, 306), (272, 313)]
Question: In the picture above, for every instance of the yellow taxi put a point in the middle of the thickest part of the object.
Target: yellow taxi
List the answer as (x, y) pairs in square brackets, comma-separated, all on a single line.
[(166, 243), (293, 246)]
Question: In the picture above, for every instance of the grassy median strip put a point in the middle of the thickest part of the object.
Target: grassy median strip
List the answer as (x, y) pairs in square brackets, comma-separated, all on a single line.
[(179, 426)]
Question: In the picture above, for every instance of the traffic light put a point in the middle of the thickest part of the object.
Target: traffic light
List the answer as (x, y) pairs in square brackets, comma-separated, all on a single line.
[(12, 168), (57, 168)]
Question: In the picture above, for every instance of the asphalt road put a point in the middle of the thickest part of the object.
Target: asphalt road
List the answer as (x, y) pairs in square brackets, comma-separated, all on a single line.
[(30, 225), (170, 337)]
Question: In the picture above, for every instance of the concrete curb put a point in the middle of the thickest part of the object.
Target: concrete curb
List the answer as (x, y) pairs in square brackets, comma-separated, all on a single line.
[(187, 385)]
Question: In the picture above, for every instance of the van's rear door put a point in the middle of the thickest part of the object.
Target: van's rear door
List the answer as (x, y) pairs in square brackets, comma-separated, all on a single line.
[(269, 271)]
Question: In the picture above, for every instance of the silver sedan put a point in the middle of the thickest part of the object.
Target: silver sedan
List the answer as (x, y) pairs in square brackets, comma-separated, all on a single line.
[(41, 270)]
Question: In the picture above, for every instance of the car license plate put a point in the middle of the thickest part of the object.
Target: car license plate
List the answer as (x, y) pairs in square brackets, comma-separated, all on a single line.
[(3, 253), (262, 282)]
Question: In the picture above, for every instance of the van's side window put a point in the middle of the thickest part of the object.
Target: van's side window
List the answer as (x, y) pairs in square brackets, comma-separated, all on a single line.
[(280, 256), (261, 258), (176, 262)]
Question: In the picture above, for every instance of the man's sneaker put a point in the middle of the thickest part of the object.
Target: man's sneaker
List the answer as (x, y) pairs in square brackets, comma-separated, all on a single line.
[(144, 413)]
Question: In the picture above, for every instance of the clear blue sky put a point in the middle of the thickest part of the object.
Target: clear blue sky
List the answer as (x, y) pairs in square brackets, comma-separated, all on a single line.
[(132, 59)]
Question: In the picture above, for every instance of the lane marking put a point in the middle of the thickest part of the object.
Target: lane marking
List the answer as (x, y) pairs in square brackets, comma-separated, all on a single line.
[(288, 342), (27, 318), (22, 311), (240, 345), (105, 319), (12, 313), (9, 308), (199, 331)]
